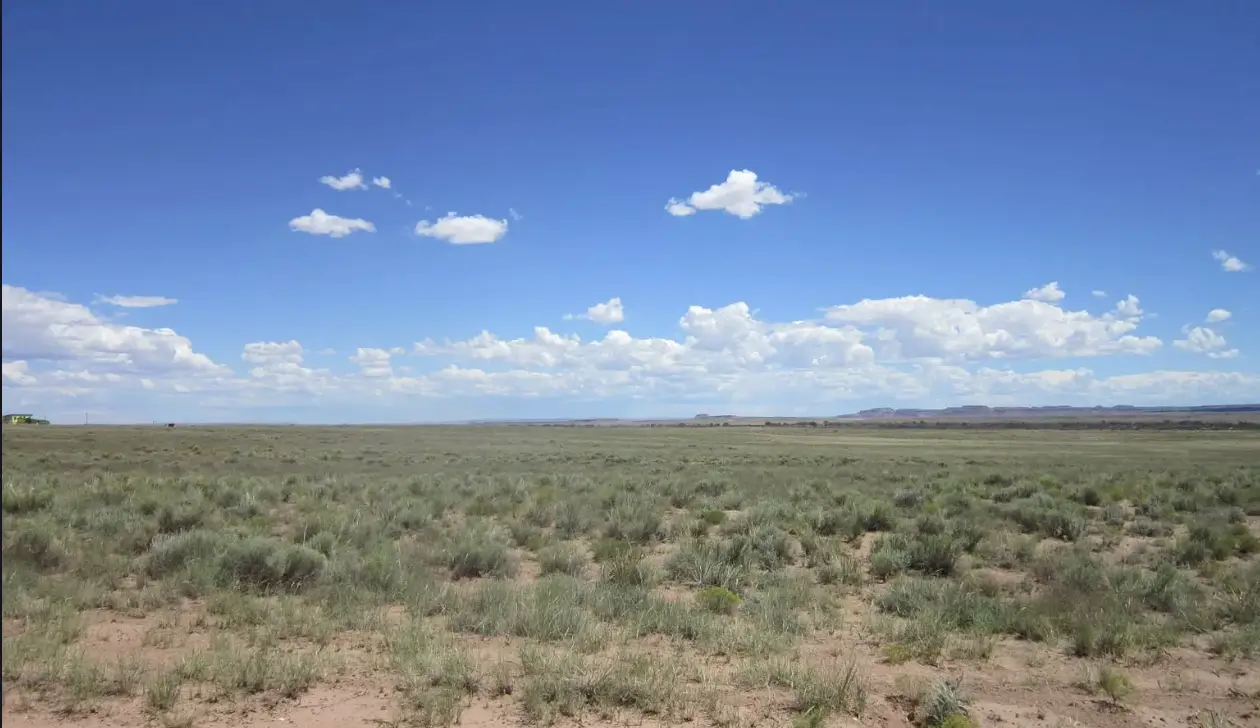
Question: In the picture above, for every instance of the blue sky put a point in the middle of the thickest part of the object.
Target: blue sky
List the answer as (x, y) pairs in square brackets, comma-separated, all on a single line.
[(871, 202)]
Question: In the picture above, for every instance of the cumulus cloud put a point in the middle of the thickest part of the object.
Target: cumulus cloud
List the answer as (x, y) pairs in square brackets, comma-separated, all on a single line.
[(321, 223), (279, 367), (1049, 293), (741, 195), (17, 373), (38, 327), (466, 230), (720, 342), (913, 350), (609, 312), (729, 353), (1129, 307), (1202, 340), (373, 362), (352, 180), (678, 208), (960, 329), (382, 182), (136, 301), (1230, 263), (1217, 315), (273, 352)]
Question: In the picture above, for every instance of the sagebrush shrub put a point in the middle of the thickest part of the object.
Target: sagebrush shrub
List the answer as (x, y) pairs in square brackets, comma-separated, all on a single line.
[(34, 546), (169, 554), (936, 555), (562, 559), (478, 554), (628, 568), (264, 563)]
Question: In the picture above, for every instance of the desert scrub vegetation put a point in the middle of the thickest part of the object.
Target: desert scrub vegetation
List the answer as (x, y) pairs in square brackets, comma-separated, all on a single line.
[(608, 571)]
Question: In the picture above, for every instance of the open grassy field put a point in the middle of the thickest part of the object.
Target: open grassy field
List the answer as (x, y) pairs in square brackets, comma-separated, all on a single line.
[(713, 576)]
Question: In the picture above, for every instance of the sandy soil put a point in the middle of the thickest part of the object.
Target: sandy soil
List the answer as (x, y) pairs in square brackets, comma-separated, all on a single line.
[(1022, 684)]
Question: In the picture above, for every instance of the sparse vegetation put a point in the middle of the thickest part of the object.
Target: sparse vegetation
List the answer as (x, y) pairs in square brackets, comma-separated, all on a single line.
[(943, 704), (718, 600), (572, 572)]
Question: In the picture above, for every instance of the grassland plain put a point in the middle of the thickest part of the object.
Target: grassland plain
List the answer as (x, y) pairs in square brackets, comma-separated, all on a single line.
[(203, 576)]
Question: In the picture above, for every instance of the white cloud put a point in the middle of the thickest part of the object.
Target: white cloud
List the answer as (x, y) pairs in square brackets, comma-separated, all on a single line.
[(273, 352), (512, 213), (1129, 307), (1049, 293), (1202, 340), (467, 230), (913, 327), (609, 312), (1230, 263), (321, 223), (1096, 293), (741, 195), (910, 351), (718, 342), (373, 362), (136, 301), (352, 180), (17, 373), (382, 182), (38, 327), (279, 367), (678, 208), (1218, 315)]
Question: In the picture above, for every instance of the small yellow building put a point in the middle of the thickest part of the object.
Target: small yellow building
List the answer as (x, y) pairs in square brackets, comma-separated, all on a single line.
[(23, 420)]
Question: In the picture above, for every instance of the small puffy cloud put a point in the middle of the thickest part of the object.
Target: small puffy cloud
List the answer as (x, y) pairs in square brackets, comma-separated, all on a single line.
[(1230, 263), (1129, 307), (1098, 293), (609, 312), (741, 195), (466, 230), (352, 180), (1202, 340), (678, 208), (373, 362), (1218, 315), (136, 301), (273, 352), (321, 223), (1049, 293), (382, 182)]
